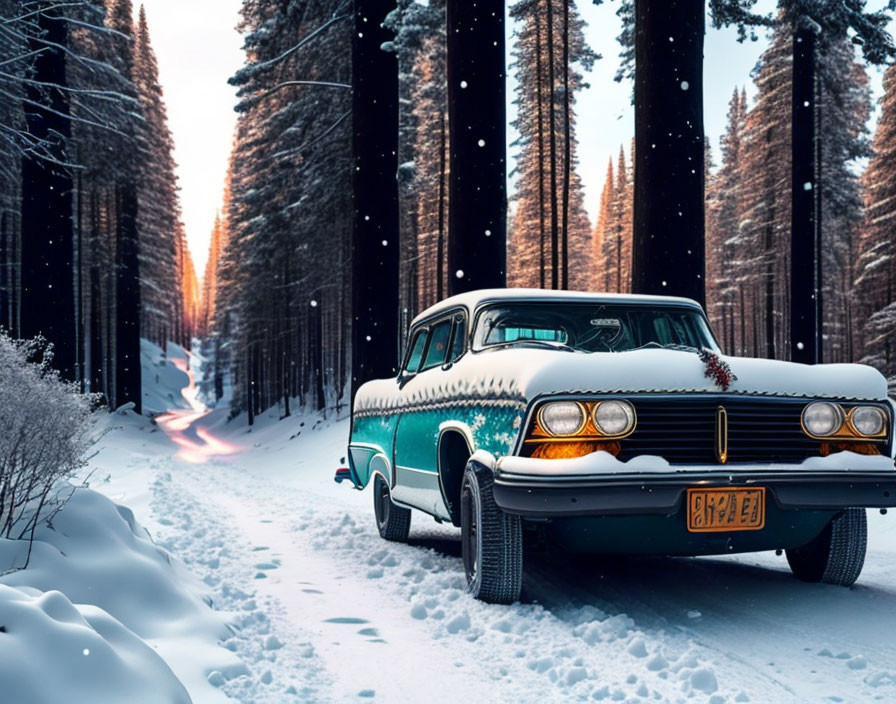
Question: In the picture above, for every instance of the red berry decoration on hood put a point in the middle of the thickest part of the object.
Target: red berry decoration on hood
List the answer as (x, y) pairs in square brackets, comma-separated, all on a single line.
[(717, 369)]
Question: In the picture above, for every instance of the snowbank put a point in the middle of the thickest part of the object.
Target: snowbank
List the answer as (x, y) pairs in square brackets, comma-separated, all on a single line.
[(144, 622), (53, 651)]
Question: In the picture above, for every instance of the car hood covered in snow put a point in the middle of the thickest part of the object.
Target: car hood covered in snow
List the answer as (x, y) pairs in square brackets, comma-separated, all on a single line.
[(653, 370), (524, 374)]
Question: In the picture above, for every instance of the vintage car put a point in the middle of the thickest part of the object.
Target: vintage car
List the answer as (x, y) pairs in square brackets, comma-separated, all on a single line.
[(613, 424)]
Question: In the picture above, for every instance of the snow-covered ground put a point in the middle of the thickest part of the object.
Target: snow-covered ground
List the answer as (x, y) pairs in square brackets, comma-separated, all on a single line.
[(320, 609)]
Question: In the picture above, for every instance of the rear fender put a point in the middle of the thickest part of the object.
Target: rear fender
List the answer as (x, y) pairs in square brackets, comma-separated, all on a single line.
[(367, 460)]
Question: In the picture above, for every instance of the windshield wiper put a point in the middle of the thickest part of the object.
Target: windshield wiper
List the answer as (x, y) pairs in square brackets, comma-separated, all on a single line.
[(551, 344), (667, 346)]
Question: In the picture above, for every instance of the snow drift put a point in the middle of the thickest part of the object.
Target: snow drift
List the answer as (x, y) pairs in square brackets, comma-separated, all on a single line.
[(53, 651), (102, 614)]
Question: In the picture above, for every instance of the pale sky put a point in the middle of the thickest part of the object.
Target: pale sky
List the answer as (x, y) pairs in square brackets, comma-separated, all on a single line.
[(198, 50)]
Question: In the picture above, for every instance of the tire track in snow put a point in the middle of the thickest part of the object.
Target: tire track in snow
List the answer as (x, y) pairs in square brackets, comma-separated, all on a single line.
[(533, 654)]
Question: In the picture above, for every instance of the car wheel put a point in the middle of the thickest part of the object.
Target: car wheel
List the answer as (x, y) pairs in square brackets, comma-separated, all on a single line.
[(491, 541), (392, 521), (836, 556)]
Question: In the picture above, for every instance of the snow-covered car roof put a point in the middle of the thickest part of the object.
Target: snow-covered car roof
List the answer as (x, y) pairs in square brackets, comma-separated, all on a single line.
[(473, 299)]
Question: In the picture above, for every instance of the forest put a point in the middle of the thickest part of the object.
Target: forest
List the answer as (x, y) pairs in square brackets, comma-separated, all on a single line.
[(93, 255), (368, 180)]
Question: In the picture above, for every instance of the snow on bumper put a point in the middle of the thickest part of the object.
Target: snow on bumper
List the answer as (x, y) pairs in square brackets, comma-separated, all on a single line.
[(599, 484)]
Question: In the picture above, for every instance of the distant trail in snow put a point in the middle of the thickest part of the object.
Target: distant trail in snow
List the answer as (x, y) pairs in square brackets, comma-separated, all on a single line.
[(196, 441)]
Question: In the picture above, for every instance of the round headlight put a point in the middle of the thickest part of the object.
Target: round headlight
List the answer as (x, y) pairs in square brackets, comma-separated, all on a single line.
[(822, 419), (614, 418), (868, 420), (562, 418)]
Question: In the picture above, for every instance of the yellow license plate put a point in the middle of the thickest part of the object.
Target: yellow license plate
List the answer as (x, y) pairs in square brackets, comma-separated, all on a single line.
[(726, 509)]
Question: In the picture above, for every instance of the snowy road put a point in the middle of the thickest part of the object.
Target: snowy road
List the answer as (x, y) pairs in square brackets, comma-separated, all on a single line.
[(324, 610)]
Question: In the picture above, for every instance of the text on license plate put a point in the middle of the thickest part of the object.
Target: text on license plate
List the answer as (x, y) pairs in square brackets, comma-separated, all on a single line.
[(726, 509)]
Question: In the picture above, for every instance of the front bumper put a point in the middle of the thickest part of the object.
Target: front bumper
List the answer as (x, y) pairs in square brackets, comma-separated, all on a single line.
[(542, 495)]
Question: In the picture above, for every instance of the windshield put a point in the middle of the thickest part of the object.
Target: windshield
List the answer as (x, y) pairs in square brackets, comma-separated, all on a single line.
[(591, 327)]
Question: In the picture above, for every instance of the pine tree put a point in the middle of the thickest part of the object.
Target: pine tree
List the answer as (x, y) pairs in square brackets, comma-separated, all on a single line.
[(750, 248), (845, 105), (48, 305), (158, 219), (375, 246), (536, 241), (618, 245), (725, 203), (420, 45), (668, 237), (763, 262), (875, 247), (601, 230), (817, 28), (209, 295), (283, 291), (93, 146), (432, 173), (477, 215)]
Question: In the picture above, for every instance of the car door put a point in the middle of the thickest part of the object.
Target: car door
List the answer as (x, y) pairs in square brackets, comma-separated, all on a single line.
[(417, 431)]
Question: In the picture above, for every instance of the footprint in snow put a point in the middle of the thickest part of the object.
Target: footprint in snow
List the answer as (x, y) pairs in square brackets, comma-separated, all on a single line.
[(259, 548), (266, 566), (367, 694), (346, 620), (312, 591)]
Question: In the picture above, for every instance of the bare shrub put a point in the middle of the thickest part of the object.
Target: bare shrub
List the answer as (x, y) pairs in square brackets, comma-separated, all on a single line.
[(44, 435)]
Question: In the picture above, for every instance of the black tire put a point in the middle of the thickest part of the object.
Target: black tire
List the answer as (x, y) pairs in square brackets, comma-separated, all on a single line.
[(491, 541), (837, 555), (392, 521)]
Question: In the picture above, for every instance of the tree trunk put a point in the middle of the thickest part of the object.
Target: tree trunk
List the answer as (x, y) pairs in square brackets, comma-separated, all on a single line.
[(443, 194), (318, 362), (805, 252), (770, 292), (477, 196), (539, 68), (552, 148), (567, 152), (48, 305), (668, 242), (127, 293), (375, 241)]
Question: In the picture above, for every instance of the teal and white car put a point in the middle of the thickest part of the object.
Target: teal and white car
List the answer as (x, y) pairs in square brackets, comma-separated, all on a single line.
[(614, 424)]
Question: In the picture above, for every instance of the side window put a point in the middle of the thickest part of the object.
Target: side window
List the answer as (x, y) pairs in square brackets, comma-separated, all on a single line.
[(438, 345), (459, 341), (416, 353)]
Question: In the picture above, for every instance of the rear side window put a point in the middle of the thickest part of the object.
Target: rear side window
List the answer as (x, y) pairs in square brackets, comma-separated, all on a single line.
[(416, 354), (438, 345)]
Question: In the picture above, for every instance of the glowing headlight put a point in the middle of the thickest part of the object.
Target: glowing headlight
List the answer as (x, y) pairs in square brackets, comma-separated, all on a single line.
[(614, 418), (868, 420), (822, 419), (562, 418)]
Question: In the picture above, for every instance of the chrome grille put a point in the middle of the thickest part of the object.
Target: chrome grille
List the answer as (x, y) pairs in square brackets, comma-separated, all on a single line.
[(681, 428)]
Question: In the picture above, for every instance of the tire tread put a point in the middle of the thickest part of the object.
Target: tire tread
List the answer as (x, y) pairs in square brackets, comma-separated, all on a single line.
[(837, 555), (501, 561)]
